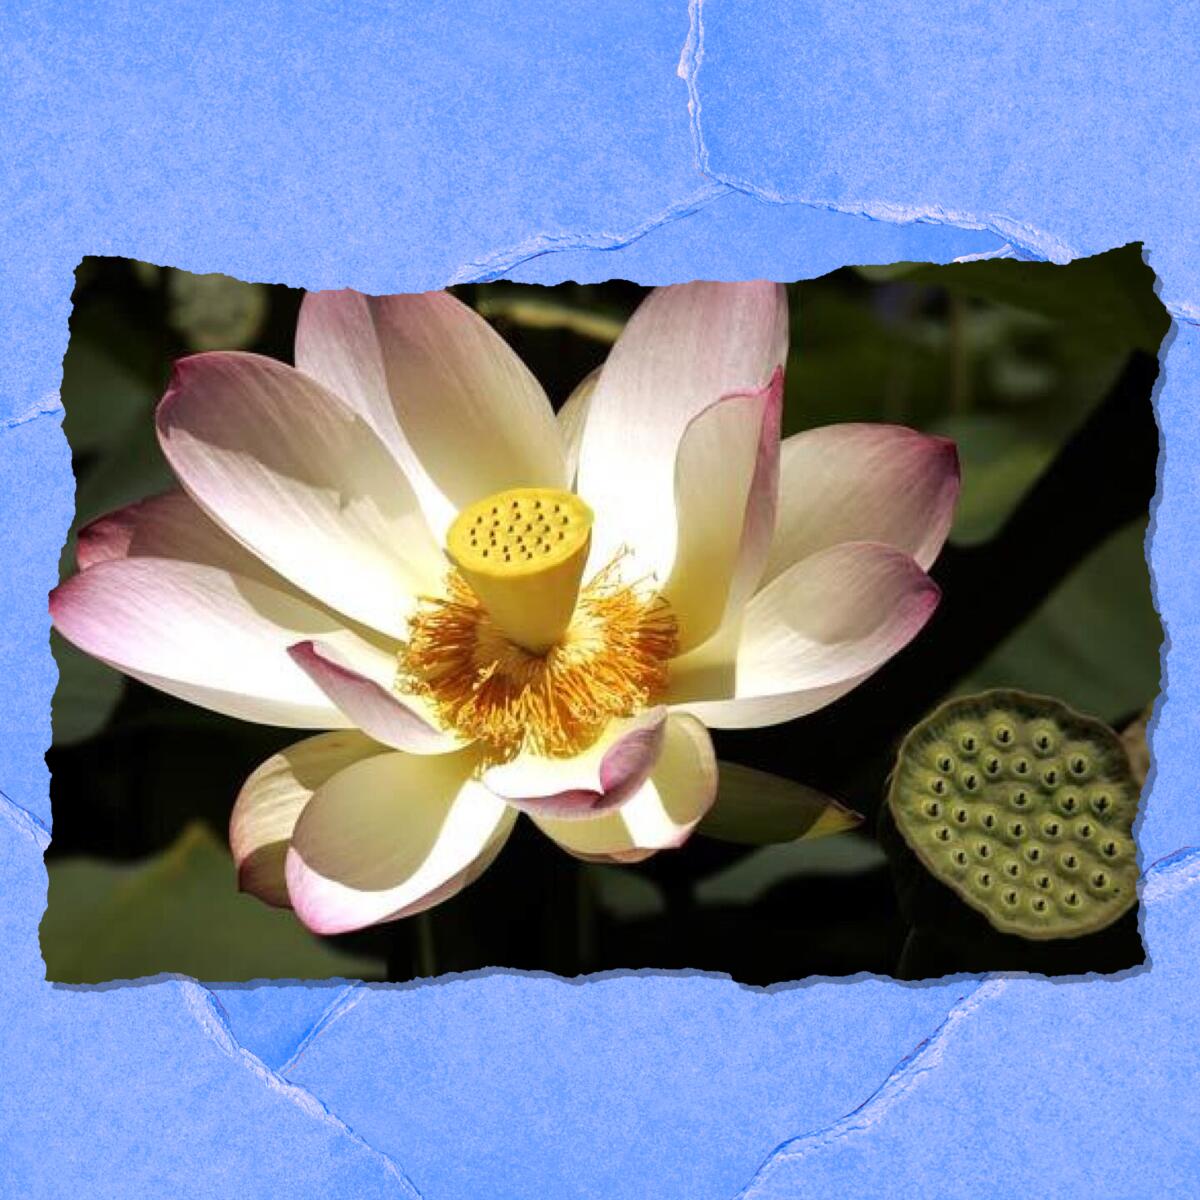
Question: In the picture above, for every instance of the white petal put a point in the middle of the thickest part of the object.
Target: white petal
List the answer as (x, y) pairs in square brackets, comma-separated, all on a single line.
[(459, 410), (390, 836), (604, 775), (271, 800), (295, 476), (572, 418), (661, 814), (201, 633), (359, 679), (864, 483), (809, 636), (683, 349), (726, 487)]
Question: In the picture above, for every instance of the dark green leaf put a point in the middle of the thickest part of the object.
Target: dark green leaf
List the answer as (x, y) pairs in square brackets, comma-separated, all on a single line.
[(748, 880), (1110, 295), (623, 893), (108, 380), (1094, 643), (180, 911), (1001, 459), (86, 695), (216, 312)]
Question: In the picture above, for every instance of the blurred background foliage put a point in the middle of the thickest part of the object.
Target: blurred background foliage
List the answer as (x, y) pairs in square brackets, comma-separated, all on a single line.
[(1008, 358)]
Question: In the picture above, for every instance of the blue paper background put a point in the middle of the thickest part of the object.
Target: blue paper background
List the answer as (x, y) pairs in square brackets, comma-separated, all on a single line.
[(395, 148)]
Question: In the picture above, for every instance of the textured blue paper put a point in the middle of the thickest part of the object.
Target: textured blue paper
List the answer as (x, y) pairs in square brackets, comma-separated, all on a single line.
[(395, 148)]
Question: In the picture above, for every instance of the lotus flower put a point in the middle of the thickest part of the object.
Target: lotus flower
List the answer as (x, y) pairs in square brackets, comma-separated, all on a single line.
[(492, 609)]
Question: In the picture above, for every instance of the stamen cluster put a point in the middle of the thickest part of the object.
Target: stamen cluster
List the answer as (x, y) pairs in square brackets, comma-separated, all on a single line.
[(612, 661)]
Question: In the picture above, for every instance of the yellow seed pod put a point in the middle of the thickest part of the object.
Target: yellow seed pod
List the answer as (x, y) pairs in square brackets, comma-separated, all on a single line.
[(523, 551)]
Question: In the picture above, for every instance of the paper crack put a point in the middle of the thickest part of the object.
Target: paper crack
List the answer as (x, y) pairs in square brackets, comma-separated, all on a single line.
[(46, 406), (203, 1006), (496, 265), (341, 1004), (1031, 242), (26, 822), (1171, 875), (907, 1073)]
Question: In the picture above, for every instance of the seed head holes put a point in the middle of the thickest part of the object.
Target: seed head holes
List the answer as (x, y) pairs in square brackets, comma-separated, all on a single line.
[(1024, 808)]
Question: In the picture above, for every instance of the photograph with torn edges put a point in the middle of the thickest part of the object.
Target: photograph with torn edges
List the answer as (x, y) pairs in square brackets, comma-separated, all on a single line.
[(775, 630)]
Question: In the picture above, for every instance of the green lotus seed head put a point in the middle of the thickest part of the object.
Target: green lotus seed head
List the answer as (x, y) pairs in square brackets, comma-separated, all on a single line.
[(969, 738), (1078, 759), (1025, 808), (1020, 765), (1003, 733), (1044, 738)]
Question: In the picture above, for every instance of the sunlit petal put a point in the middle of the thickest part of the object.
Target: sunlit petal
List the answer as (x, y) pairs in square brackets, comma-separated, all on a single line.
[(461, 413), (359, 679), (302, 481), (726, 487), (390, 836), (811, 635), (683, 349), (201, 633)]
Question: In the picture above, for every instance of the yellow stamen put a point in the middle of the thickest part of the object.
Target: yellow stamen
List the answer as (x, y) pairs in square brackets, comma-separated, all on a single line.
[(612, 661), (522, 552)]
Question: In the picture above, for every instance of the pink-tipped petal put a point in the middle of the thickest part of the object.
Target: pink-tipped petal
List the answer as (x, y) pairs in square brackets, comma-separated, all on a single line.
[(864, 483), (302, 481), (683, 349), (726, 488), (458, 409), (391, 836), (811, 635), (170, 525), (201, 633), (270, 803), (602, 777), (357, 678), (660, 815)]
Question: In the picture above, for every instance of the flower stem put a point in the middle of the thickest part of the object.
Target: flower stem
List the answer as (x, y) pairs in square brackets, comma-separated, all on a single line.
[(426, 955)]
